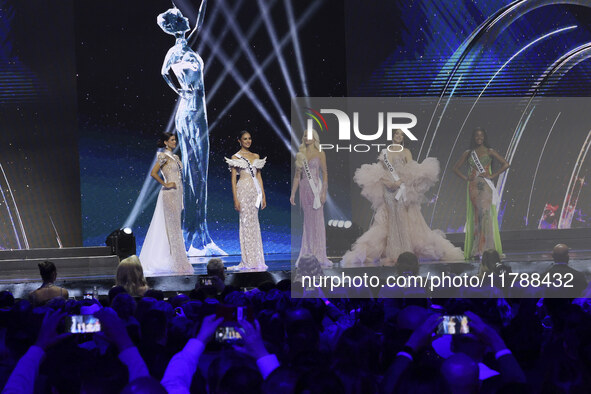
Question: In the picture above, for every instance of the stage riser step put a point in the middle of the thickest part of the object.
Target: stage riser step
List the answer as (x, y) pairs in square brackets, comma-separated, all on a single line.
[(54, 253), (181, 283), (29, 267)]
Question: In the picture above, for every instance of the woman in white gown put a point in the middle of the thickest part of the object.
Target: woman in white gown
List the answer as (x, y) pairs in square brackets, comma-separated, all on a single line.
[(164, 251), (395, 186), (249, 195)]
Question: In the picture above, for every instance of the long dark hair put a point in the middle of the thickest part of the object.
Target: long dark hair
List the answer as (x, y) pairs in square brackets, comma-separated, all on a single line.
[(242, 132), (473, 143), (163, 138)]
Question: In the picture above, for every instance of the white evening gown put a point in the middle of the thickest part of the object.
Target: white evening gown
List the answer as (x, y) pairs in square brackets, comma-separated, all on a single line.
[(251, 243), (164, 251)]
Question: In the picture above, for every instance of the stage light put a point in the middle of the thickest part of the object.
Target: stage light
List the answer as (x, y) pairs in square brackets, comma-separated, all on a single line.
[(340, 235), (122, 243)]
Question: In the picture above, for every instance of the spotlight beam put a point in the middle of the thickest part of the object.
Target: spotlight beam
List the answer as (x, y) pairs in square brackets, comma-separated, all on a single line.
[(276, 47), (241, 82), (296, 45), (228, 66), (239, 35), (303, 19), (219, 39)]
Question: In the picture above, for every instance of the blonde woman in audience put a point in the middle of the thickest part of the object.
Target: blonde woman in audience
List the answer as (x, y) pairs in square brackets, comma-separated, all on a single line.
[(130, 276)]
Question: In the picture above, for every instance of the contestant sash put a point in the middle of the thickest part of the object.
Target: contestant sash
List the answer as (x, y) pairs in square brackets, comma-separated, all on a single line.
[(167, 153), (401, 189), (313, 185), (254, 180), (481, 170)]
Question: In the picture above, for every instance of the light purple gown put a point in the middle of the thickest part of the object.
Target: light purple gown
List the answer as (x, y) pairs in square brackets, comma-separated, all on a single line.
[(314, 236)]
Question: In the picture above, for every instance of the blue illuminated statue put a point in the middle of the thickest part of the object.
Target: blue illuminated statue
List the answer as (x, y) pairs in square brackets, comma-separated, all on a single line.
[(183, 71)]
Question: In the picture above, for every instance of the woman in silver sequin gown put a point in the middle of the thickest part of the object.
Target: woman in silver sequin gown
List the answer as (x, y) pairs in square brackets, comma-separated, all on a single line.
[(249, 195), (164, 251)]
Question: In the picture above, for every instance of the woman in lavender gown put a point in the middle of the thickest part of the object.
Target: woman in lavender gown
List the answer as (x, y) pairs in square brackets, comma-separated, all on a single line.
[(164, 251), (249, 195), (310, 164)]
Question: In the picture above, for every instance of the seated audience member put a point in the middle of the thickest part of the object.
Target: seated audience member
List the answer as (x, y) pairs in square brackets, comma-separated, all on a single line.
[(48, 290), (491, 263), (130, 276), (407, 264), (214, 284), (561, 270), (215, 267)]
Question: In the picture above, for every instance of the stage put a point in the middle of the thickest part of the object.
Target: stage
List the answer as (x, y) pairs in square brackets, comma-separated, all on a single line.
[(81, 269)]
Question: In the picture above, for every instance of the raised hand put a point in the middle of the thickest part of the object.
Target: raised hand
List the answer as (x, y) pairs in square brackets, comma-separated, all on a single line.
[(253, 340), (208, 327), (48, 335)]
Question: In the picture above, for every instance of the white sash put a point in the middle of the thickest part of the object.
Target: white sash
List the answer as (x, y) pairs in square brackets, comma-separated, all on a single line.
[(167, 153), (401, 189), (481, 170), (313, 185), (255, 181)]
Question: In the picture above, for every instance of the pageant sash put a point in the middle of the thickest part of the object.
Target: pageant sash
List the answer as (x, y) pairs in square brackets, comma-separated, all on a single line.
[(481, 170), (167, 153), (254, 179), (313, 185), (401, 189)]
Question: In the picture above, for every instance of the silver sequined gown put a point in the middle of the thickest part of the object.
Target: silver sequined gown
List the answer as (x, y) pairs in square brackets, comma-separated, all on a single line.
[(164, 251), (251, 243)]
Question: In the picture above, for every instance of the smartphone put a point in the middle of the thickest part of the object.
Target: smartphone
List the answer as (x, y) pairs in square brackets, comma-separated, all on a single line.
[(206, 280), (229, 334), (88, 296), (454, 324), (82, 324)]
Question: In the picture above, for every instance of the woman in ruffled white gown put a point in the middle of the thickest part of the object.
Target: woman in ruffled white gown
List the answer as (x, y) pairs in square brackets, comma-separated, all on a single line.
[(164, 251), (398, 224), (249, 195)]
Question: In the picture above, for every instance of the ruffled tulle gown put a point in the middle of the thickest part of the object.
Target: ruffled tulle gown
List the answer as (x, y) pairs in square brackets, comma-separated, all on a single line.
[(398, 225), (163, 251), (251, 243), (314, 232)]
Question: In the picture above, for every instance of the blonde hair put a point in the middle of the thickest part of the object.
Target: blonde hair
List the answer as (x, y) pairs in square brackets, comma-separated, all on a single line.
[(301, 155), (130, 276)]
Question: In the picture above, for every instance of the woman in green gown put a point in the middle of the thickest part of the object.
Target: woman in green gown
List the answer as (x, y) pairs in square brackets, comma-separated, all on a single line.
[(482, 226)]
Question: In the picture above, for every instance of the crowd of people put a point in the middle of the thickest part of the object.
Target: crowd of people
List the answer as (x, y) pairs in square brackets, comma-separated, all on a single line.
[(282, 344)]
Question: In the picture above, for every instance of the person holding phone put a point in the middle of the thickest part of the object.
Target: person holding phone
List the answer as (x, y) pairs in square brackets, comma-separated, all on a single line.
[(164, 251), (249, 196)]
